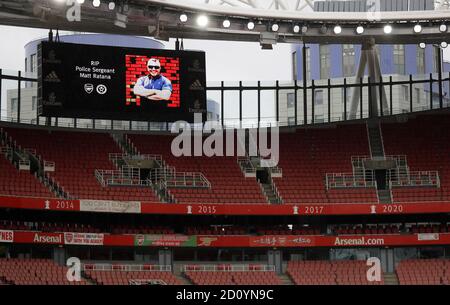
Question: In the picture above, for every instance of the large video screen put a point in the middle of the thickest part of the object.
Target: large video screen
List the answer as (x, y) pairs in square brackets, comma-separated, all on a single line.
[(100, 82)]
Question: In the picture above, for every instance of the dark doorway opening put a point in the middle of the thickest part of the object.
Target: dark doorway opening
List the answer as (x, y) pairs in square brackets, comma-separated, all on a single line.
[(380, 176), (262, 176)]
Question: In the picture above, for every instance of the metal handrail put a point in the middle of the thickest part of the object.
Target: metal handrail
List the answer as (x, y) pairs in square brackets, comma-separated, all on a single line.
[(341, 180), (115, 156), (228, 268), (124, 267), (126, 176), (414, 178), (243, 161), (180, 179)]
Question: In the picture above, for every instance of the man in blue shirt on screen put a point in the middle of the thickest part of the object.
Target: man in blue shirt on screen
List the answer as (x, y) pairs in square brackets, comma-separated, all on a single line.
[(154, 86)]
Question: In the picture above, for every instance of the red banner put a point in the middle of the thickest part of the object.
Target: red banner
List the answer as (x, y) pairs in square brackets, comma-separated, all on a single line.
[(23, 237), (216, 241), (225, 209), (6, 236)]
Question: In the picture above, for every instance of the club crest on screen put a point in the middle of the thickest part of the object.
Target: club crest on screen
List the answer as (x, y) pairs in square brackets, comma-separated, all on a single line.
[(89, 88)]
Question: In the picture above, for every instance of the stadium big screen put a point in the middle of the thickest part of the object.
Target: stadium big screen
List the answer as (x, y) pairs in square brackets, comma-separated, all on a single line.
[(101, 82)]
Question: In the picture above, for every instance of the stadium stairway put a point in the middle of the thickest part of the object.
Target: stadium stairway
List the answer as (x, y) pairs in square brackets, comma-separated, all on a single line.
[(270, 192), (390, 279), (375, 138), (285, 279), (184, 280)]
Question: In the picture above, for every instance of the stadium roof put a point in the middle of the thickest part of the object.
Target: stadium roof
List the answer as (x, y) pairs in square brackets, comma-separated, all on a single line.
[(161, 19)]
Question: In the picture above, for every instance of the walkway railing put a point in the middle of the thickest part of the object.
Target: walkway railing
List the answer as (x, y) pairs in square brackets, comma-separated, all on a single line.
[(228, 268), (349, 180), (292, 103), (125, 267)]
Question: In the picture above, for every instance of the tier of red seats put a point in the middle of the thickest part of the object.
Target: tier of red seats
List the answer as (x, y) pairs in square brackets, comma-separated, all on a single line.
[(368, 229), (83, 228), (307, 155), (330, 273), (34, 272), (233, 277), (117, 277), (424, 272), (225, 230), (228, 184), (20, 183), (426, 144), (77, 155), (283, 230)]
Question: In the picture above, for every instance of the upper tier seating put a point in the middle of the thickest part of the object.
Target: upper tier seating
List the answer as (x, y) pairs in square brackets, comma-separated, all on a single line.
[(34, 272), (307, 155), (424, 272), (77, 155), (20, 183), (426, 143), (330, 273), (228, 184)]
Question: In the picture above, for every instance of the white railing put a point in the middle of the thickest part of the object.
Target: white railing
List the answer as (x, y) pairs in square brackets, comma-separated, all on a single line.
[(275, 189), (125, 267), (24, 165), (345, 180), (276, 171), (5, 150), (130, 177), (179, 179), (246, 166), (228, 268), (116, 156), (49, 166), (415, 178), (400, 159)]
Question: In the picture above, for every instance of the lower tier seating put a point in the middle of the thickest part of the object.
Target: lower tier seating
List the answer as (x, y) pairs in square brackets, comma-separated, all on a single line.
[(424, 272), (34, 272), (330, 273), (233, 277), (130, 277)]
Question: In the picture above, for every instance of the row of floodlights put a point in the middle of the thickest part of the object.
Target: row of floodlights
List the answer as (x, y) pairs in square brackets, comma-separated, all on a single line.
[(95, 3), (202, 21)]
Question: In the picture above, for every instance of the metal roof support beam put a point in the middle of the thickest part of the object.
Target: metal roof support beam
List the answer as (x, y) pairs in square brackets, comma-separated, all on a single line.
[(369, 58)]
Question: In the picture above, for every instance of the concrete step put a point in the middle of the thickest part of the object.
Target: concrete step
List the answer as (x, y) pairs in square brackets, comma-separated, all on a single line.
[(391, 279), (183, 280), (285, 279)]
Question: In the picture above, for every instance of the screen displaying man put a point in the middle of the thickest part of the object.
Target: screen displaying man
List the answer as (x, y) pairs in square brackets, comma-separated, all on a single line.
[(153, 86)]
